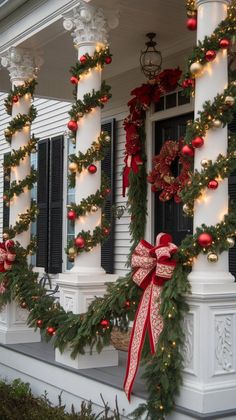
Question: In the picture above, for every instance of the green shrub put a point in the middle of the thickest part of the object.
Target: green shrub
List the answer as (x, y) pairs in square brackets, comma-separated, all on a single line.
[(18, 403)]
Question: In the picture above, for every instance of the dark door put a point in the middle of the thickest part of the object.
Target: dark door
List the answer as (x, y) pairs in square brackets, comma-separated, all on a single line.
[(169, 216), (232, 195)]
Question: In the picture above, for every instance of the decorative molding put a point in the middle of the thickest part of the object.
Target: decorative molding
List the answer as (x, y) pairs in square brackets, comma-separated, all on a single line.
[(87, 23), (21, 315), (69, 304), (224, 343), (188, 328), (22, 63)]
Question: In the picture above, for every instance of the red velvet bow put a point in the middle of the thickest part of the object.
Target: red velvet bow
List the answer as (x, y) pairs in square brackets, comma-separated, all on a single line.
[(153, 266), (132, 163)]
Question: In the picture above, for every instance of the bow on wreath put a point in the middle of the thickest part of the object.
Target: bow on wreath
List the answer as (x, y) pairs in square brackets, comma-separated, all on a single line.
[(7, 255), (153, 266)]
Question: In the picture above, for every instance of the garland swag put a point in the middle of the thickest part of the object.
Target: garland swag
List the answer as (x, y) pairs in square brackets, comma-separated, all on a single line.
[(118, 307)]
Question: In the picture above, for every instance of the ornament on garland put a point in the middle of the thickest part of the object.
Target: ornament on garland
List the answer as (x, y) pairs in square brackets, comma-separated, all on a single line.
[(213, 184), (230, 242), (212, 257), (72, 125), (196, 69), (192, 24), (39, 323), (210, 55), (229, 100), (152, 266), (74, 80), (92, 169), (7, 255), (108, 60), (51, 330), (15, 99), (161, 176), (83, 59), (224, 43), (71, 215), (80, 242), (105, 323), (205, 240), (187, 151), (197, 142)]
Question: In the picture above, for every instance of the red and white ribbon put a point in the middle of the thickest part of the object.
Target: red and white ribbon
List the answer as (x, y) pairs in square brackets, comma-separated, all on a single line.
[(153, 266)]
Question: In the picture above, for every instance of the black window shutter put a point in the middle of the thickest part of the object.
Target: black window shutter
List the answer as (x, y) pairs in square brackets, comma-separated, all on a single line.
[(232, 195), (56, 205), (108, 164), (6, 186), (42, 202)]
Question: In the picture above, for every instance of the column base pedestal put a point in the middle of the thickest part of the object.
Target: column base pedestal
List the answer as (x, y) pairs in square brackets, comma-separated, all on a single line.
[(13, 327), (107, 357), (209, 376), (76, 293)]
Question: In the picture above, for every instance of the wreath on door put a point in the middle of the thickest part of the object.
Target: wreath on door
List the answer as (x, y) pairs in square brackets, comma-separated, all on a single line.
[(162, 177)]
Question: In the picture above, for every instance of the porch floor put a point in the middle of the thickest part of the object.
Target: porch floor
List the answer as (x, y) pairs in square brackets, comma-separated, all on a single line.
[(112, 376)]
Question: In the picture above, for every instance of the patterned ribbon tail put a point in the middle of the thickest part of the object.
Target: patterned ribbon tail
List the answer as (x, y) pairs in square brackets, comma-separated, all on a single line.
[(147, 318), (153, 267)]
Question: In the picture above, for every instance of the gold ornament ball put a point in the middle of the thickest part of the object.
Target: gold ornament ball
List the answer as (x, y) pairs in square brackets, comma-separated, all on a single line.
[(73, 140), (212, 258), (229, 100), (73, 167), (230, 242), (107, 138), (196, 68), (216, 123), (71, 252), (187, 210), (204, 163), (7, 132), (5, 236)]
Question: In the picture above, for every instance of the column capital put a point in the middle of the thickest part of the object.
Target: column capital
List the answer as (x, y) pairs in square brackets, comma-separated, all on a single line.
[(87, 23), (22, 63), (200, 2)]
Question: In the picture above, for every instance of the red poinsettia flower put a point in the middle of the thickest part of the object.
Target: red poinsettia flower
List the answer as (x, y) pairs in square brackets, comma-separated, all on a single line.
[(168, 79)]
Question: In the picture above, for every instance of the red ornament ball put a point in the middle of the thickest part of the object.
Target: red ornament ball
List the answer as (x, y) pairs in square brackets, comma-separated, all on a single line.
[(80, 242), (39, 323), (74, 80), (83, 59), (72, 125), (92, 169), (192, 24), (187, 151), (224, 43), (210, 55), (106, 231), (105, 323), (104, 99), (127, 304), (51, 330), (15, 99), (213, 184), (197, 142), (107, 191), (108, 60), (71, 215), (205, 240)]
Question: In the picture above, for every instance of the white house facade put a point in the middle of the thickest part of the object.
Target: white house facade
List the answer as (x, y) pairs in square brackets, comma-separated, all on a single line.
[(36, 41)]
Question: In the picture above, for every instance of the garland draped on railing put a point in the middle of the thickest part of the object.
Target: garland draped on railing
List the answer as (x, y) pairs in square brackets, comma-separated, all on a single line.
[(163, 370)]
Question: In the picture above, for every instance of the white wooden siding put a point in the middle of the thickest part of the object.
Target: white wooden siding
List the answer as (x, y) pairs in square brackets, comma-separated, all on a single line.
[(51, 121)]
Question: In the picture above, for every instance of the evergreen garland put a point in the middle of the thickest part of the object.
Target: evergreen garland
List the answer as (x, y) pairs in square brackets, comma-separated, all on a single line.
[(163, 371)]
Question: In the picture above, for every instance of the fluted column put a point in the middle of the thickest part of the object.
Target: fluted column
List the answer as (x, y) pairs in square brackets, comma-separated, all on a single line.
[(215, 204), (89, 31), (21, 64)]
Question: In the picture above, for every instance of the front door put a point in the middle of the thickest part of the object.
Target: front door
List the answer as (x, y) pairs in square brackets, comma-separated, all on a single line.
[(169, 216)]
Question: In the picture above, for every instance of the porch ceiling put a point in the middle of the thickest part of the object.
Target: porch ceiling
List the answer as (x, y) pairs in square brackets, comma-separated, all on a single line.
[(137, 17)]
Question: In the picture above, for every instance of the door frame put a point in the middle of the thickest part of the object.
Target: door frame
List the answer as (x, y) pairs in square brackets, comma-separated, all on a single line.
[(151, 118)]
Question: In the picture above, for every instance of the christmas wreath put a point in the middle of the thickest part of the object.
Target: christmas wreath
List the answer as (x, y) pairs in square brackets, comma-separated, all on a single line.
[(162, 177)]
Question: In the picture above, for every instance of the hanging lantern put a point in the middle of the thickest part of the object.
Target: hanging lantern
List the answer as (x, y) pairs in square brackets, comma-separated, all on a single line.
[(151, 58)]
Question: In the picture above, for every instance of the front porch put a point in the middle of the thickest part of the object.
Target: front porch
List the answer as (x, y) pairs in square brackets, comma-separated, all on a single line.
[(37, 34)]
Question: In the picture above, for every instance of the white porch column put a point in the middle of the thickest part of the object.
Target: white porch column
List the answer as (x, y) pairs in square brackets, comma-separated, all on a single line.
[(21, 66), (209, 385), (213, 81), (87, 278)]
